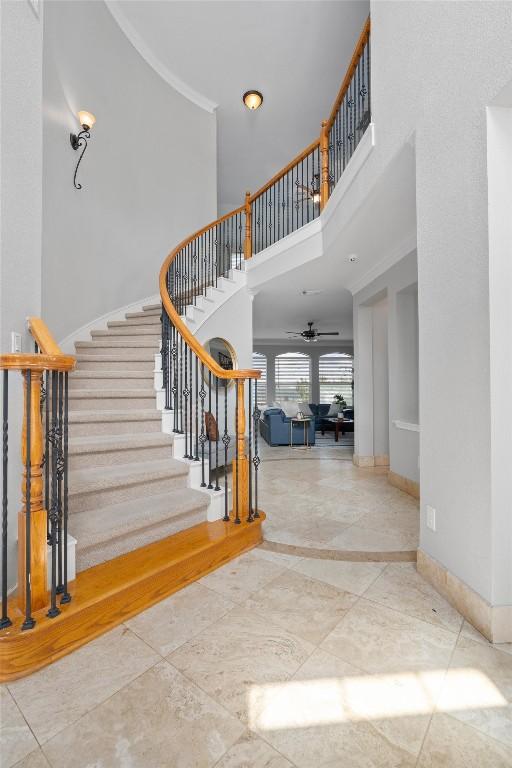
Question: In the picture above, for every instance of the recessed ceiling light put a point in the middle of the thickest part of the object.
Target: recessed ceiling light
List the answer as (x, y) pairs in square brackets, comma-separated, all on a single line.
[(252, 99), (352, 257), (311, 292)]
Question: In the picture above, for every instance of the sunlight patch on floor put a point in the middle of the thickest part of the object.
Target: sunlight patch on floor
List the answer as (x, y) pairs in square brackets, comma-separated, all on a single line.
[(306, 703)]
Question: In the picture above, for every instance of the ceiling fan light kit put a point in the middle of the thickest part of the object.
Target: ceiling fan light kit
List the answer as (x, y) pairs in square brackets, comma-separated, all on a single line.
[(312, 334)]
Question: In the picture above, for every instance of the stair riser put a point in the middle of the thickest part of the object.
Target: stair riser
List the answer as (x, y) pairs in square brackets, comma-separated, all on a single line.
[(88, 429), (101, 553), (116, 457), (110, 403), (96, 499), (145, 313), (125, 334), (121, 364), (145, 352), (110, 383), (135, 321)]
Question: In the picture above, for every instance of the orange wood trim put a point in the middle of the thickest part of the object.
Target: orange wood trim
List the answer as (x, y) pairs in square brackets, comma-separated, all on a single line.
[(21, 362), (324, 174), (248, 227), (182, 329), (314, 144), (110, 593), (363, 39), (43, 337), (38, 547)]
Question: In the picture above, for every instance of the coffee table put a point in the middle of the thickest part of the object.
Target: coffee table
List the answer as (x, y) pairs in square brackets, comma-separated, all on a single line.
[(339, 426)]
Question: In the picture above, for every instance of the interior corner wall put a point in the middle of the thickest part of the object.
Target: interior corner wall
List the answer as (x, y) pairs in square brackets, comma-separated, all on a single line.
[(148, 175), (21, 52)]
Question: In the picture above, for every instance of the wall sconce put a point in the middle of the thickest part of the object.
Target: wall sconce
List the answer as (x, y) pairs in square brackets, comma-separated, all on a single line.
[(87, 121)]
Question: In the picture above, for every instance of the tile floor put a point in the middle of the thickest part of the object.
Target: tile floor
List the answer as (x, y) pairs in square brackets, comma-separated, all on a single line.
[(319, 499), (274, 661)]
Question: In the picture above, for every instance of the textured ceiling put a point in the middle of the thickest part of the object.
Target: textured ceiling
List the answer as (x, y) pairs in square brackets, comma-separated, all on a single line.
[(296, 53)]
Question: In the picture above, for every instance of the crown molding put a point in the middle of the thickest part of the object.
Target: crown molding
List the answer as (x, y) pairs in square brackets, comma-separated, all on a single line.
[(154, 62)]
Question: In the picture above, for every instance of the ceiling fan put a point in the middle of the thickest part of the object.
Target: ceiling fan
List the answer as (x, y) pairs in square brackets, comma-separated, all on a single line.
[(310, 192), (312, 334)]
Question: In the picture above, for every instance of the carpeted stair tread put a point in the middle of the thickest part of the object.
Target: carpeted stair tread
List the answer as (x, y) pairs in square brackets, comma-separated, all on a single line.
[(117, 520), (99, 443), (112, 393), (128, 374), (92, 479), (140, 414)]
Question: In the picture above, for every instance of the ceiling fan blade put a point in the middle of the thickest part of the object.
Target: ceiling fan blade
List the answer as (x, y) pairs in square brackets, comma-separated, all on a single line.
[(294, 333), (329, 333)]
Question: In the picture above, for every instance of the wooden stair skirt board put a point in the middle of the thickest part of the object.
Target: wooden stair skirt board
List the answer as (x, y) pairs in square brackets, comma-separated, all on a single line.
[(109, 593)]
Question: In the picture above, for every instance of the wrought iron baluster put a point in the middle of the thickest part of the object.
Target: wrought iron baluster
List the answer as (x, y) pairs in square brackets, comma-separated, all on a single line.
[(250, 517), (60, 471), (196, 396), (5, 620), (185, 398), (236, 485), (66, 597), (191, 389), (54, 508), (202, 439)]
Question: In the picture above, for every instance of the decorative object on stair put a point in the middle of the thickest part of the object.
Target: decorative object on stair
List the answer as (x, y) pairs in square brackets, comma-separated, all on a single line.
[(87, 121)]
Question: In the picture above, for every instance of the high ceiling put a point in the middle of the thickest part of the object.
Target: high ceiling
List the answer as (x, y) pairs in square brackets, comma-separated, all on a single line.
[(295, 53)]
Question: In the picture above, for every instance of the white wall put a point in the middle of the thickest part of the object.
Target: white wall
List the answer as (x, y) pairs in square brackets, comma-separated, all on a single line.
[(385, 369), (499, 160), (20, 212), (148, 175), (435, 68)]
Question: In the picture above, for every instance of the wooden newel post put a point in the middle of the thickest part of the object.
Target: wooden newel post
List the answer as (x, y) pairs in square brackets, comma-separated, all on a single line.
[(32, 465), (241, 491), (324, 160), (248, 227)]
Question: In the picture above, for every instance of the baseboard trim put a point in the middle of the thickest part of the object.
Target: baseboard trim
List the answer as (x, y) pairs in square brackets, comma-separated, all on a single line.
[(404, 484), (493, 621), (108, 594), (381, 460)]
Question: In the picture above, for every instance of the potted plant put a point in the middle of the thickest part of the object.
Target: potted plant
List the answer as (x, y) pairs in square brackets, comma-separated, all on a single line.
[(341, 403)]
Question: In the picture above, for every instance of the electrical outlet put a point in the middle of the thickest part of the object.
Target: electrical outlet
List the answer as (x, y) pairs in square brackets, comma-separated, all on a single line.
[(15, 342), (431, 518)]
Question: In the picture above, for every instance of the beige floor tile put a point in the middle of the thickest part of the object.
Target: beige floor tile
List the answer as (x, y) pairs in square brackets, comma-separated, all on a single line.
[(56, 696), (16, 738), (401, 587), (241, 577), (351, 577), (237, 653), (34, 760), (288, 561), (252, 752), (160, 719), (471, 633), (380, 640), (305, 607), (170, 623), (368, 540), (478, 689), (391, 519), (395, 705), (450, 744)]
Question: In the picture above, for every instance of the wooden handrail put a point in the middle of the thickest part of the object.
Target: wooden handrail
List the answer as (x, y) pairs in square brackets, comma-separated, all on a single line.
[(363, 39), (43, 337), (20, 362), (180, 326), (279, 175)]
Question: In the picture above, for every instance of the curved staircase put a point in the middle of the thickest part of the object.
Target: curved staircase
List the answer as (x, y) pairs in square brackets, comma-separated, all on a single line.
[(126, 490)]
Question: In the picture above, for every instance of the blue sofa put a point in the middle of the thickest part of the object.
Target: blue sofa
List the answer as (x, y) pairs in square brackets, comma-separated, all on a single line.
[(275, 428), (320, 411)]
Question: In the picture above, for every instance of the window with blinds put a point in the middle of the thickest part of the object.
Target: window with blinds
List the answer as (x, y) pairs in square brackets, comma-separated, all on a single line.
[(336, 373), (293, 377), (259, 363)]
